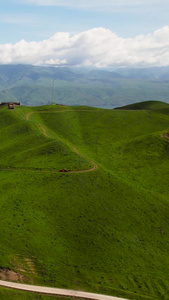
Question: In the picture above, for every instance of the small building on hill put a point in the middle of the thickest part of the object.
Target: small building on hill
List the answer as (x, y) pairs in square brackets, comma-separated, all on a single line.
[(7, 103), (11, 105)]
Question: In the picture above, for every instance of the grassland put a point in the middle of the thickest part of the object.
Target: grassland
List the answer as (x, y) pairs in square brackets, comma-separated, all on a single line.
[(8, 294), (104, 231)]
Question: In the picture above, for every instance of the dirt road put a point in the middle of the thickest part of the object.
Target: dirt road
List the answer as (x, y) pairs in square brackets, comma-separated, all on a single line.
[(49, 290), (95, 166), (55, 291)]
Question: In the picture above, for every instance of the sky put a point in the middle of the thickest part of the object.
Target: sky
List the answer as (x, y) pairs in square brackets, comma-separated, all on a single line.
[(85, 33)]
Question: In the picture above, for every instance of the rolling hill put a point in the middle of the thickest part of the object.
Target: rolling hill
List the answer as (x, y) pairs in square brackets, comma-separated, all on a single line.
[(104, 230)]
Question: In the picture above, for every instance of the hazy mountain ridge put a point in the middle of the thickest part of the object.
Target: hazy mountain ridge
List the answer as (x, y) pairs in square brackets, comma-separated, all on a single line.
[(35, 85)]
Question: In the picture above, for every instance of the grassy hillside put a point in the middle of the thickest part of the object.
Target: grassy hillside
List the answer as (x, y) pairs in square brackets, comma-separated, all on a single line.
[(104, 231), (155, 106), (8, 294)]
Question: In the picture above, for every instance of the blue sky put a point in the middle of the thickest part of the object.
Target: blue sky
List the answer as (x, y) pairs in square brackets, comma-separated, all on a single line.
[(34, 20), (39, 20)]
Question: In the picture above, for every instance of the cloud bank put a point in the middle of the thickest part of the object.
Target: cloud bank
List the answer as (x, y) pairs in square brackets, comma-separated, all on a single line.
[(98, 47)]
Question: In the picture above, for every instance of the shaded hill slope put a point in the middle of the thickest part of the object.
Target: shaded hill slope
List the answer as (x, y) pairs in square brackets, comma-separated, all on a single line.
[(104, 231), (149, 105), (155, 106)]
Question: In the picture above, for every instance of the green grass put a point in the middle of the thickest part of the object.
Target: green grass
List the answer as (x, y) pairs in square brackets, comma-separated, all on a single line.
[(105, 231), (25, 146), (8, 294)]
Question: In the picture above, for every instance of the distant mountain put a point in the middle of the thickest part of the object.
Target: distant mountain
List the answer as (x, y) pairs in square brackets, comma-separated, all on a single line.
[(35, 85), (14, 73), (103, 74), (145, 73)]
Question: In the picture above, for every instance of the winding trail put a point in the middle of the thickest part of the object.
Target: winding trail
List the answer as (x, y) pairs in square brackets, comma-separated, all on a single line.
[(55, 291), (50, 290), (95, 166)]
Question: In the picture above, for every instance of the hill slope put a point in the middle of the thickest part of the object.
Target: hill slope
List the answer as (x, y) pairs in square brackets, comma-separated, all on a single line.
[(101, 231)]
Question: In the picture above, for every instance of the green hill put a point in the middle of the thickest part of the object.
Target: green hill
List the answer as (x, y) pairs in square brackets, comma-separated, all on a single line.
[(105, 230), (155, 106), (149, 105)]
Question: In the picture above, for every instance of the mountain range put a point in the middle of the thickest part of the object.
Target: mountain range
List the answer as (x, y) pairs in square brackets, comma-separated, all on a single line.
[(37, 85)]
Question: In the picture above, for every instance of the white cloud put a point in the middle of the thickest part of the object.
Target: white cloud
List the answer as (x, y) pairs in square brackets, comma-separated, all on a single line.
[(98, 47)]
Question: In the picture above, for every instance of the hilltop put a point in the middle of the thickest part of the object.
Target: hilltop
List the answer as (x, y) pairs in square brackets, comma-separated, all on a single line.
[(104, 230), (147, 105)]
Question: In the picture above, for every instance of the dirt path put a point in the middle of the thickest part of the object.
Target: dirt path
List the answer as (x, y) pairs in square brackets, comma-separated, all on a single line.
[(95, 166), (49, 290), (28, 114), (44, 130), (55, 291)]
